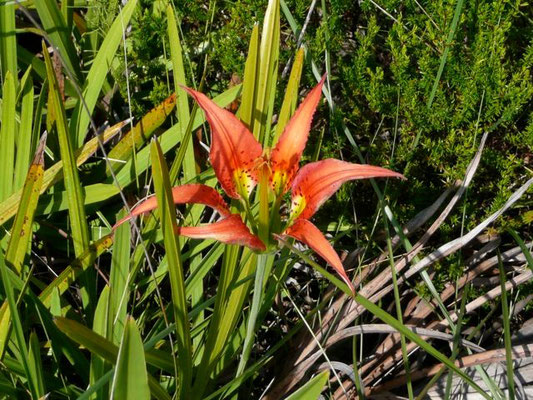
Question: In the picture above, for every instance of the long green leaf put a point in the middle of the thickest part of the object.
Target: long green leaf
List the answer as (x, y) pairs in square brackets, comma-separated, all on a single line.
[(15, 317), (312, 389), (69, 275), (98, 72), (7, 137), (249, 85), (291, 94), (8, 40), (24, 139), (131, 378), (182, 110), (36, 364), (78, 219), (120, 262), (101, 326), (58, 32), (506, 331), (167, 214), (268, 73), (444, 56), (104, 348), (21, 233)]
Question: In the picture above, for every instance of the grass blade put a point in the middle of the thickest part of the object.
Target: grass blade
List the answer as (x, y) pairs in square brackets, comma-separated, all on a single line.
[(101, 326), (97, 74), (54, 174), (8, 40), (249, 86), (183, 111), (409, 334), (131, 378), (141, 132), (78, 219), (24, 139), (268, 73), (59, 34), (167, 214), (35, 363), (7, 136), (444, 56), (523, 247), (312, 389), (290, 101), (399, 314), (21, 232), (22, 227), (506, 331), (15, 318), (120, 262), (69, 275), (98, 344)]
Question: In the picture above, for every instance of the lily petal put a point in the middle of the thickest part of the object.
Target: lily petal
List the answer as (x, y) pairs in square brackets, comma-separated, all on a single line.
[(230, 230), (286, 154), (316, 182), (193, 193), (234, 150), (306, 232)]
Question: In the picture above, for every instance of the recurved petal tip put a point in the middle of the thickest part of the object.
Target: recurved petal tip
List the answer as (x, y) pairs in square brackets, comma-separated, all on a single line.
[(307, 233)]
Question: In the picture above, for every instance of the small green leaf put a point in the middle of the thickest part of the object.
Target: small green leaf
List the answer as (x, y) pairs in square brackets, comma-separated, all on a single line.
[(312, 389)]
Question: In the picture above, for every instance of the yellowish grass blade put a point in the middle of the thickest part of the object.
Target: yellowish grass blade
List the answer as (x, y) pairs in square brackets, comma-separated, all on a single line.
[(54, 174), (141, 132), (22, 227)]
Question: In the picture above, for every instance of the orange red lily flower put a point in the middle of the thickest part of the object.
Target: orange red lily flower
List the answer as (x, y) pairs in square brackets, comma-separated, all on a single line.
[(239, 161)]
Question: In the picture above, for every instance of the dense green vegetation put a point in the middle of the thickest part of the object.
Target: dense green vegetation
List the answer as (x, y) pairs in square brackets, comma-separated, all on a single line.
[(87, 311)]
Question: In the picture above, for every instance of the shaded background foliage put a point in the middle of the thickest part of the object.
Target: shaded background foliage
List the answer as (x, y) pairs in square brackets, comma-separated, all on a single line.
[(384, 64)]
